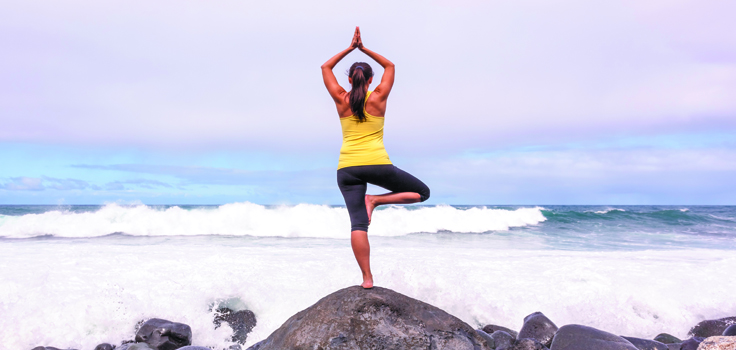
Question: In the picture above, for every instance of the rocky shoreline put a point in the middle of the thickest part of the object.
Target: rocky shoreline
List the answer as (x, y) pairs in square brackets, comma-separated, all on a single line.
[(379, 318)]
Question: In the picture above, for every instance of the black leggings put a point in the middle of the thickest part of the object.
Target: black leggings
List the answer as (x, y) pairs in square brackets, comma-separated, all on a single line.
[(353, 184)]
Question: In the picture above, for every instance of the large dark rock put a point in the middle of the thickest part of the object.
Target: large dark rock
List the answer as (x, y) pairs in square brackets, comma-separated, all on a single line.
[(538, 327), (256, 346), (667, 338), (489, 340), (646, 344), (492, 328), (164, 335), (691, 344), (194, 348), (502, 339), (711, 328), (674, 346), (377, 318), (578, 337), (104, 346), (134, 346), (527, 344), (730, 331), (242, 322)]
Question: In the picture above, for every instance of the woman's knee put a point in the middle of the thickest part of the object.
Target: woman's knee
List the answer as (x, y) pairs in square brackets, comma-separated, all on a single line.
[(424, 194)]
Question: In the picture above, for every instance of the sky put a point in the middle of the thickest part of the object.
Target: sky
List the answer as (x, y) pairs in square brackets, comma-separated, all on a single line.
[(495, 102)]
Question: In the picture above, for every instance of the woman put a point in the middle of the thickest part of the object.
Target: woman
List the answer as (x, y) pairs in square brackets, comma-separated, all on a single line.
[(363, 159)]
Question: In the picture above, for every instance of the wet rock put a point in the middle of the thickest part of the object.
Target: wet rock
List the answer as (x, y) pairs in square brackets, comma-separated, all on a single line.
[(691, 344), (377, 318), (667, 338), (718, 343), (256, 346), (674, 346), (190, 347), (646, 344), (710, 328), (134, 346), (730, 331), (235, 347), (493, 328), (538, 327), (242, 322), (164, 335), (489, 340), (527, 344), (104, 346), (578, 337), (502, 339)]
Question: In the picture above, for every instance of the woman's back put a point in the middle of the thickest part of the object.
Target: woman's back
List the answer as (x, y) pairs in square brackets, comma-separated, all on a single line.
[(362, 141)]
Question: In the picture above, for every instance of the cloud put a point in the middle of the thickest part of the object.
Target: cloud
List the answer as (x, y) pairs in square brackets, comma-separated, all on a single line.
[(585, 176), (481, 74), (23, 184), (65, 184), (209, 175), (141, 183)]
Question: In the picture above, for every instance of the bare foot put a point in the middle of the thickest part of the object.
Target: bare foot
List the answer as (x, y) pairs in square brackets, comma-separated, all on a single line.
[(369, 206), (367, 283)]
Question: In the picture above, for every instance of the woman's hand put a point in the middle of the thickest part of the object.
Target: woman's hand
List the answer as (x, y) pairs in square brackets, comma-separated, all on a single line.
[(357, 42)]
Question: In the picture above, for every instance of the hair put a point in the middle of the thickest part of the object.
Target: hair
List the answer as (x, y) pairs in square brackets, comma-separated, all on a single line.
[(360, 72)]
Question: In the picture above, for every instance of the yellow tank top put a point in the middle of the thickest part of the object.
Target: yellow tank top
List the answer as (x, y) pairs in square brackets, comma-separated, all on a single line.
[(362, 143)]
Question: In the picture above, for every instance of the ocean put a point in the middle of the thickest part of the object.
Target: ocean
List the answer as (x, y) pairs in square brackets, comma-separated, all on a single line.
[(76, 276)]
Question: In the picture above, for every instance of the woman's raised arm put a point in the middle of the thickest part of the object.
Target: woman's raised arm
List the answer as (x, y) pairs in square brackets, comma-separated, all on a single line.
[(333, 87), (389, 70)]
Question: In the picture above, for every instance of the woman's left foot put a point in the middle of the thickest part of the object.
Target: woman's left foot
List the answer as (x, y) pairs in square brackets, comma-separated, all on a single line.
[(367, 284)]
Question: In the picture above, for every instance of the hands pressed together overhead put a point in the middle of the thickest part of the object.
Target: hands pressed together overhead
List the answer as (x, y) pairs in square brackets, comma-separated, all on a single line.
[(357, 42)]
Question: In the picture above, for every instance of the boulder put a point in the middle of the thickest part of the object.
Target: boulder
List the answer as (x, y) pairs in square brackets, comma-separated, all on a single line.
[(691, 344), (578, 337), (730, 331), (711, 328), (667, 338), (104, 346), (489, 340), (527, 344), (190, 347), (164, 335), (492, 328), (718, 343), (646, 344), (502, 339), (377, 318), (256, 346), (674, 346), (538, 327), (242, 322), (134, 346)]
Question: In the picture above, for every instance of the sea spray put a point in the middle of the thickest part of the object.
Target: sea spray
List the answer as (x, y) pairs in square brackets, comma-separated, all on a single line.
[(81, 292), (248, 219)]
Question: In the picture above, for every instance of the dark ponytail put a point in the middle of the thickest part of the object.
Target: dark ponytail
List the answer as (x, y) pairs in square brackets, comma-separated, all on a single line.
[(360, 72)]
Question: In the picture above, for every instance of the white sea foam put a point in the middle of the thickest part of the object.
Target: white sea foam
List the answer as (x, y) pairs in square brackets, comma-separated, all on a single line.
[(78, 293), (606, 211), (248, 219)]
